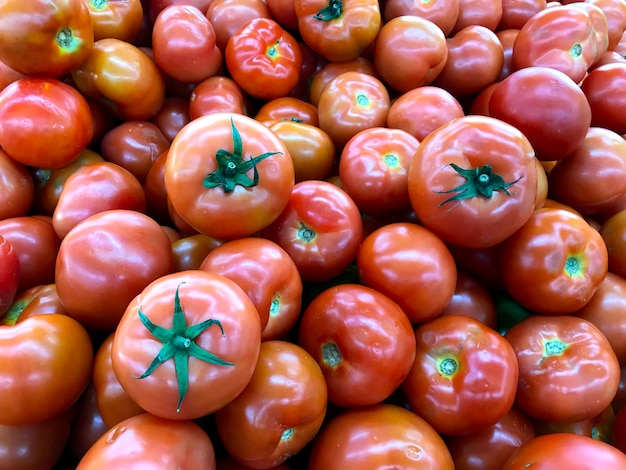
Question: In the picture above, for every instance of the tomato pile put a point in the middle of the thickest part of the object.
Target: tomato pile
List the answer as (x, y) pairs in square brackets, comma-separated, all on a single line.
[(312, 234)]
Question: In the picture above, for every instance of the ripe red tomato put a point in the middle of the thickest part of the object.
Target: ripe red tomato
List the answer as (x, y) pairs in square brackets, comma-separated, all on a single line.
[(185, 334), (216, 94), (444, 13), (232, 167), (604, 89), (9, 275), (330, 70), (119, 20), (228, 16), (18, 187), (568, 371), (481, 188), (473, 299)]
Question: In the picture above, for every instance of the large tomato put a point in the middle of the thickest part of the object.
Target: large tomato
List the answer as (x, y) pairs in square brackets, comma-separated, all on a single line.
[(228, 175), (184, 335)]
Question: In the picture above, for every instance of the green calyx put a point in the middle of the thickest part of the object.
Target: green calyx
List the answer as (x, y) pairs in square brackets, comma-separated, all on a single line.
[(480, 181), (447, 366), (232, 168), (66, 40), (331, 354), (178, 344), (332, 11), (99, 4)]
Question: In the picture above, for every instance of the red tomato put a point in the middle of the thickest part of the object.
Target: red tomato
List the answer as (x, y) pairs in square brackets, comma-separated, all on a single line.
[(554, 263), (184, 334), (604, 89), (230, 166), (172, 116), (320, 228), (516, 13), (481, 188), (568, 371), (378, 436), (613, 232), (147, 441), (86, 425), (228, 16), (598, 427), (18, 188), (216, 94), (190, 251), (288, 108), (464, 376), (9, 275), (45, 37), (485, 13), (362, 340), (114, 19), (330, 70), (473, 299), (565, 450), (39, 300), (27, 109), (279, 412), (615, 13), (264, 59), (443, 13)]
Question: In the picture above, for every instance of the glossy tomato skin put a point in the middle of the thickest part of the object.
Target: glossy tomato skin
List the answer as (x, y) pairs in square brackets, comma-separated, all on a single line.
[(443, 13), (45, 37), (10, 274), (449, 202), (320, 228), (568, 371), (554, 263), (38, 300), (565, 450), (221, 210), (604, 88), (202, 296), (330, 70), (279, 412), (410, 265), (362, 340), (120, 20), (28, 106), (464, 376), (378, 436), (18, 188), (149, 441), (216, 94), (472, 298)]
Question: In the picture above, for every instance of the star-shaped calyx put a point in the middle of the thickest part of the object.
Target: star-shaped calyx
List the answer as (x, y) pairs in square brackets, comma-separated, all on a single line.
[(179, 344)]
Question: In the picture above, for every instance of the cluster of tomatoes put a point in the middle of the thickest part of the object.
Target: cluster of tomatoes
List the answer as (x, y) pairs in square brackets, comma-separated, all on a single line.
[(323, 234)]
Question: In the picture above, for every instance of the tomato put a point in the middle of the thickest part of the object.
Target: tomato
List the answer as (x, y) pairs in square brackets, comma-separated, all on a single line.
[(155, 6), (18, 188), (338, 30), (104, 261), (597, 171), (146, 441), (268, 276), (172, 116), (115, 19), (554, 263), (485, 13), (618, 434), (516, 13), (350, 103), (87, 424), (604, 89), (473, 299), (288, 108), (47, 360), (279, 412), (228, 16), (28, 107), (615, 13), (96, 187), (378, 436), (477, 193), (507, 39), (373, 168), (475, 59), (10, 274), (230, 166), (598, 427), (123, 78), (45, 37), (184, 334), (565, 450), (320, 228), (443, 13), (190, 251), (134, 145), (410, 36), (464, 376), (490, 447), (567, 369), (216, 94), (38, 300), (264, 59), (613, 232), (331, 70), (184, 44), (538, 100)]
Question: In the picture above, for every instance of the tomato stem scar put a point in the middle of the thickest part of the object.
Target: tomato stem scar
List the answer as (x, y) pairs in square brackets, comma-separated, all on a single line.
[(331, 354)]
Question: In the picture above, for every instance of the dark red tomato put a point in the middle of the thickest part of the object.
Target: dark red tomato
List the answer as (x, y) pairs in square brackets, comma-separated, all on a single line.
[(516, 13), (378, 436), (96, 187), (216, 94), (146, 441), (184, 44), (604, 88), (183, 335), (565, 450), (105, 261), (8, 75), (481, 189), (489, 448), (36, 244), (618, 435), (443, 13), (157, 204), (361, 339), (87, 425), (190, 251), (28, 107), (228, 463), (227, 16), (172, 116), (464, 376), (481, 263), (9, 275), (473, 299), (284, 11), (134, 145), (232, 167), (45, 37), (598, 427), (18, 188), (554, 263), (485, 13), (410, 265), (568, 371), (279, 412), (268, 276), (320, 228), (613, 232), (538, 101), (264, 59)]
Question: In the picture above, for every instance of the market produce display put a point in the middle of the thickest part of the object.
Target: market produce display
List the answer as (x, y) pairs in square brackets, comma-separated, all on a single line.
[(312, 234)]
